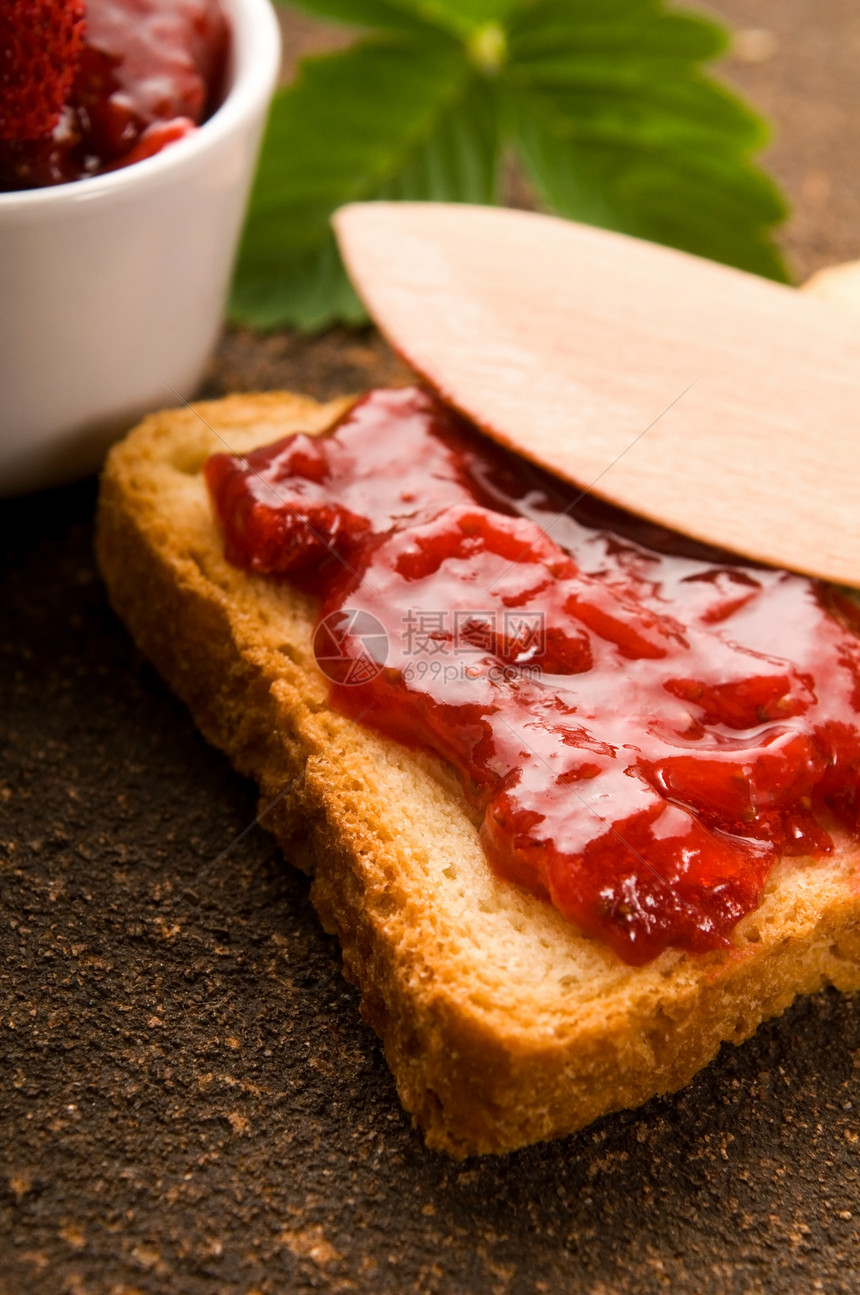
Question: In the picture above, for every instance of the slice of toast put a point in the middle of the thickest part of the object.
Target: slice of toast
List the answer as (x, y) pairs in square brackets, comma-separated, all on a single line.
[(502, 1023)]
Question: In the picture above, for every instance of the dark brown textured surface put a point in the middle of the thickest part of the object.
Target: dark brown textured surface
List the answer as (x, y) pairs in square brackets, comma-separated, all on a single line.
[(189, 1101)]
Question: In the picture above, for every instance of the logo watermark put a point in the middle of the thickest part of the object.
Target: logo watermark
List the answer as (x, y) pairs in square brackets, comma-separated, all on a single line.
[(514, 635), (446, 672), (352, 646)]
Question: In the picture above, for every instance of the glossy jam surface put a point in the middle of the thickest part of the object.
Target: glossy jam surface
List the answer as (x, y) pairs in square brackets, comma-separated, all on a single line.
[(149, 72), (645, 731)]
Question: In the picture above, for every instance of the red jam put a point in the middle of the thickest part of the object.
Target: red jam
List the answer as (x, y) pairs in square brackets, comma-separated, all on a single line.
[(645, 725), (149, 72)]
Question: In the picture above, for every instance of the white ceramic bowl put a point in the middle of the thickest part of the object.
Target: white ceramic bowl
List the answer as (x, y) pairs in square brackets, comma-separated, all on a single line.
[(112, 288)]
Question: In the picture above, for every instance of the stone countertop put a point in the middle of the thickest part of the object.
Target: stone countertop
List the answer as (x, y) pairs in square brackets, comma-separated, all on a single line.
[(190, 1102)]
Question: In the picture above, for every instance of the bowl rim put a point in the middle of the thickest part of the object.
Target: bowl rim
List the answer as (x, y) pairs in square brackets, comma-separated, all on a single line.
[(255, 58)]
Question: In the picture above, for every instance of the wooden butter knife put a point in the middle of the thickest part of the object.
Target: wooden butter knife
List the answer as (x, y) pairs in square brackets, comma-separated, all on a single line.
[(700, 397)]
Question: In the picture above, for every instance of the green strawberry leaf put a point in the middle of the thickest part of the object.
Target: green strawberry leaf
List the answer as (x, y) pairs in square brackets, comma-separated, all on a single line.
[(617, 129), (702, 203), (604, 106), (427, 130), (385, 15), (460, 17)]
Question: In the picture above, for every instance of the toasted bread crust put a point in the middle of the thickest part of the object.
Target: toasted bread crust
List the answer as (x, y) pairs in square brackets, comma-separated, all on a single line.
[(502, 1024)]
